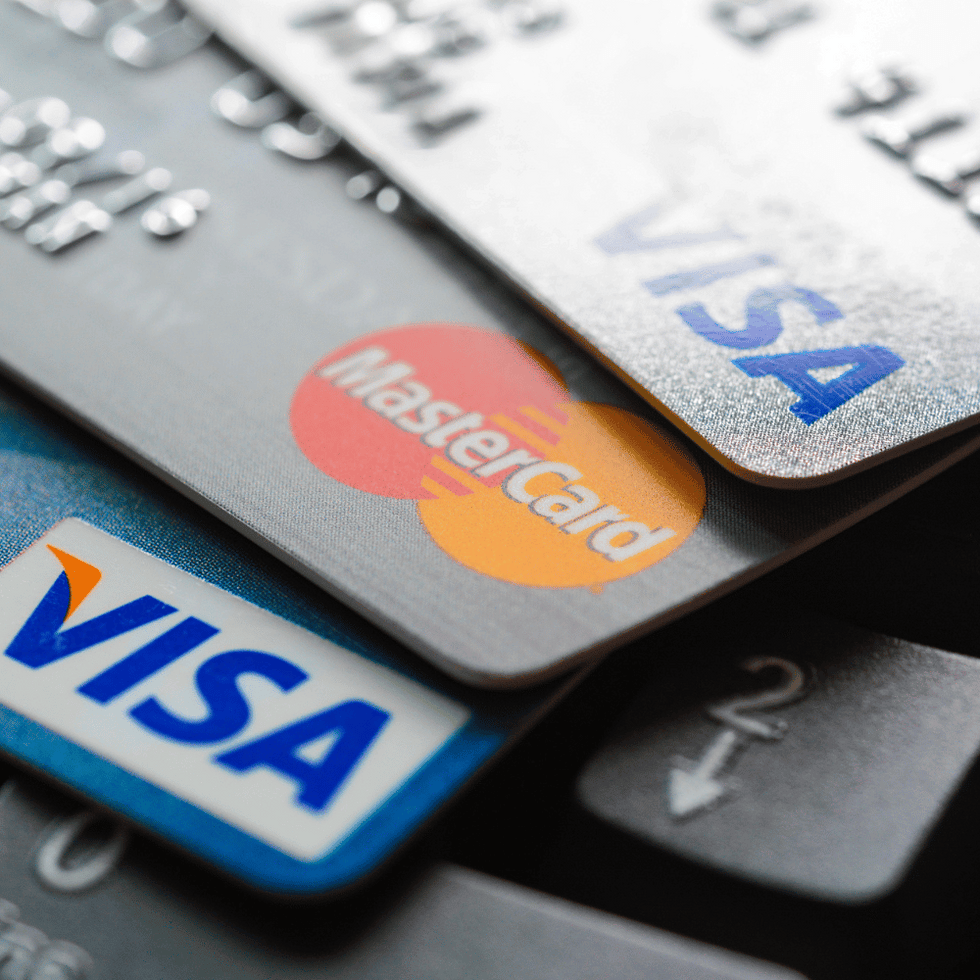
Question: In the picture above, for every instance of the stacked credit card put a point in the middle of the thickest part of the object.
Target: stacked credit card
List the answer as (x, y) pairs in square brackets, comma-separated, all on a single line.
[(321, 514)]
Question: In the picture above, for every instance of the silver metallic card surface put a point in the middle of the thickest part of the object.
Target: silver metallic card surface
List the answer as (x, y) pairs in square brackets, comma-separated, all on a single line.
[(727, 202), (359, 398)]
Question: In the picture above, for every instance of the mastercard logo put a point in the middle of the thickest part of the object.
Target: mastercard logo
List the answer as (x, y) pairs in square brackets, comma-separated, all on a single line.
[(512, 477)]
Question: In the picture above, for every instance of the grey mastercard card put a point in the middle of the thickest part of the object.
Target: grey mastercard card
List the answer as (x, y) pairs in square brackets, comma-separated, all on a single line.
[(758, 212), (354, 395)]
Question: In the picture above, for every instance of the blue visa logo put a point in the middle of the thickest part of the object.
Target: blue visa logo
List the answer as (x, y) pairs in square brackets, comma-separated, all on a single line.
[(268, 727)]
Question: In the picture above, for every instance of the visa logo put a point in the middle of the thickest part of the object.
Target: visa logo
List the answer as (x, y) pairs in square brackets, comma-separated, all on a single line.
[(273, 729)]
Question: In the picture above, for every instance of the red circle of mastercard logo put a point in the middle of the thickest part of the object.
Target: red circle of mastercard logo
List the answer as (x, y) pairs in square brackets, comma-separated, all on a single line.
[(513, 478)]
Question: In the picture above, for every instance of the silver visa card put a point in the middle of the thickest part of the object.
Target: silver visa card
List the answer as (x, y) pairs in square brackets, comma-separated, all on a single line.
[(758, 212), (349, 392)]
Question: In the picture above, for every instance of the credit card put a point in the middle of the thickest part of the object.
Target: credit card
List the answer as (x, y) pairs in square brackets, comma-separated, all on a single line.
[(171, 671), (758, 212), (351, 392)]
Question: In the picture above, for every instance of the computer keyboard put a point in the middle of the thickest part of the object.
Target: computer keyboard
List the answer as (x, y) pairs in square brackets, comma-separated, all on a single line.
[(777, 784), (767, 861)]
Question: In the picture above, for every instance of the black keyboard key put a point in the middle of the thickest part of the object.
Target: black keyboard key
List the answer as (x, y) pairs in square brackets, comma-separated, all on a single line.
[(805, 754)]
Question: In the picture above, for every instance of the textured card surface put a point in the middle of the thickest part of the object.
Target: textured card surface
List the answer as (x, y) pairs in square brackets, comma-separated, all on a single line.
[(755, 210), (353, 394), (168, 670)]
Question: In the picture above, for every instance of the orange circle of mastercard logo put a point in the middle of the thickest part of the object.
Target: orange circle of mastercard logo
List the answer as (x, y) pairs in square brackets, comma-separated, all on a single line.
[(513, 478)]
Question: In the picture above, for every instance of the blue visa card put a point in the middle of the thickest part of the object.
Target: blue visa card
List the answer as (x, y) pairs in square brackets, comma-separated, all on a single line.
[(170, 671)]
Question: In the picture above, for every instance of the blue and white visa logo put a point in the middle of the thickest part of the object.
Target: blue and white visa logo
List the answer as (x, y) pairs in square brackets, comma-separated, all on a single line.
[(273, 730)]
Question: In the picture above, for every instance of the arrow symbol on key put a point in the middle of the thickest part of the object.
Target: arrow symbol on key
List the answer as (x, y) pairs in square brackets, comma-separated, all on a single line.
[(696, 787), (693, 787)]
